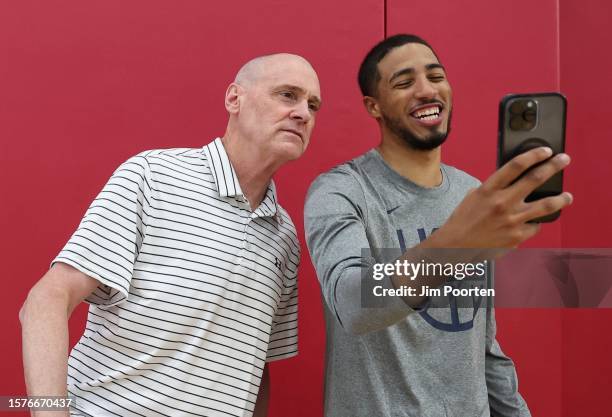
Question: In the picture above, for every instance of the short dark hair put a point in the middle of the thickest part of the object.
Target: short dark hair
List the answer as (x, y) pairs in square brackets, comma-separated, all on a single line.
[(368, 71)]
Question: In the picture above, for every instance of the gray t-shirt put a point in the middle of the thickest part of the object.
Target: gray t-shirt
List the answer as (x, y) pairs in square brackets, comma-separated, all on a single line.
[(396, 361)]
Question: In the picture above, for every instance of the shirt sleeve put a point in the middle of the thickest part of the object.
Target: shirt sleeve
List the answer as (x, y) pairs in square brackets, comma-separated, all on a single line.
[(502, 382), (335, 218), (108, 239), (284, 334)]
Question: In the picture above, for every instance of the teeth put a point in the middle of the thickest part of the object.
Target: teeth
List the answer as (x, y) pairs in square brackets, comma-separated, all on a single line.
[(429, 113)]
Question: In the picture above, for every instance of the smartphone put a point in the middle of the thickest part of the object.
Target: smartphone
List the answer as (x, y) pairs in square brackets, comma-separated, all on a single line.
[(528, 121)]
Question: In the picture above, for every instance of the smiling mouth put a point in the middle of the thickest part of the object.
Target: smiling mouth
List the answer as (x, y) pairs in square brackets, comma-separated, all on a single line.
[(427, 113)]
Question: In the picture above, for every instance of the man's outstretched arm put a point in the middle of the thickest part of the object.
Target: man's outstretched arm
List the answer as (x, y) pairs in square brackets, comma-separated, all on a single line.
[(44, 323), (492, 216)]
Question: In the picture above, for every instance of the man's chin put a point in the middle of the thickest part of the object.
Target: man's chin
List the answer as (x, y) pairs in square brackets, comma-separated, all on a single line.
[(423, 143), (428, 140), (291, 151)]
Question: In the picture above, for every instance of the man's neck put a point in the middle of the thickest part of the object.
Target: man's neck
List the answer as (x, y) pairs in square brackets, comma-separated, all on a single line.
[(253, 170), (420, 167)]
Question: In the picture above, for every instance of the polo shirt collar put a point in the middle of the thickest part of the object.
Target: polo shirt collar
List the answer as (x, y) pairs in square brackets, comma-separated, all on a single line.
[(222, 170), (226, 179), (269, 204)]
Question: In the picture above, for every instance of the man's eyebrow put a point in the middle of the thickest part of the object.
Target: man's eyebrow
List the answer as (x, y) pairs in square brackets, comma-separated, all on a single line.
[(410, 70), (313, 98), (434, 66)]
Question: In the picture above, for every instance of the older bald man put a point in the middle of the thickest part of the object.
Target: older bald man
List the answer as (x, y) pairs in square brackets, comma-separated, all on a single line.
[(189, 266)]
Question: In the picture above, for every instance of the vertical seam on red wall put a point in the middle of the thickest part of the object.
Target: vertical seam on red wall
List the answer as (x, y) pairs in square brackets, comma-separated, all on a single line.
[(558, 47), (563, 319), (385, 19)]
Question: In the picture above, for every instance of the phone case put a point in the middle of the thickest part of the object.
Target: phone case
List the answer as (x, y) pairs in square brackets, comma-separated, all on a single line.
[(549, 130)]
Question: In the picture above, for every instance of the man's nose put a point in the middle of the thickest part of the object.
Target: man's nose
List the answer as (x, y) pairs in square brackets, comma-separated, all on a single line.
[(425, 89), (301, 111)]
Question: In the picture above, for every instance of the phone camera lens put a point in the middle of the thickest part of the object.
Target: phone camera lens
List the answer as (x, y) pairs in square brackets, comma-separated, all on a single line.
[(529, 115), (517, 107), (517, 123), (523, 114)]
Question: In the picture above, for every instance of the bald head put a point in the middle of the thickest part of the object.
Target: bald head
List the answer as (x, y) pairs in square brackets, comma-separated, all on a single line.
[(258, 67), (272, 106)]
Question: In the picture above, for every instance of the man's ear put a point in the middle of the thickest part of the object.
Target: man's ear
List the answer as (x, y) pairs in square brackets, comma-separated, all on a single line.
[(233, 98), (371, 105)]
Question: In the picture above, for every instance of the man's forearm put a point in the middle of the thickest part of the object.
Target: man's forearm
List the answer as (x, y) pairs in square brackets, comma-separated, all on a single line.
[(440, 249), (263, 396), (416, 255), (353, 285), (44, 323)]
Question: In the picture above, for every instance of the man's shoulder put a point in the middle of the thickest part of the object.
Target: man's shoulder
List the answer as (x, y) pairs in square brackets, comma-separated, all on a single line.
[(460, 178), (345, 175), (346, 182), (184, 167), (186, 154), (188, 160)]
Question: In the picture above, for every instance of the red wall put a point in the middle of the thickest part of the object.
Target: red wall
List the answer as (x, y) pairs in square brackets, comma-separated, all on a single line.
[(84, 85), (586, 79)]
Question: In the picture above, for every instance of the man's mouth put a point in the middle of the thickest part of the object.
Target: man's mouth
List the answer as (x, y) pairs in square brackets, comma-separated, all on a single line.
[(428, 114), (295, 132)]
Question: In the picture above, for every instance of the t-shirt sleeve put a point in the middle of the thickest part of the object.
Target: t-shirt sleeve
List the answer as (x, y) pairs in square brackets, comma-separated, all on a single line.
[(500, 373), (108, 239), (284, 334), (335, 216)]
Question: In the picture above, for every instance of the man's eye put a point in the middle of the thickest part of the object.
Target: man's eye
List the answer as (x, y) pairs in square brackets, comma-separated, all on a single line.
[(288, 94), (313, 106), (437, 78), (404, 84)]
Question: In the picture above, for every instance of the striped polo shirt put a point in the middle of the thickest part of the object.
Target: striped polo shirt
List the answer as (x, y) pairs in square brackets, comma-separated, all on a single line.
[(197, 291)]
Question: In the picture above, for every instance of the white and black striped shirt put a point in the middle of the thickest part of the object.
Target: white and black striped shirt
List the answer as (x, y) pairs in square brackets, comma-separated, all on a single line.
[(197, 291)]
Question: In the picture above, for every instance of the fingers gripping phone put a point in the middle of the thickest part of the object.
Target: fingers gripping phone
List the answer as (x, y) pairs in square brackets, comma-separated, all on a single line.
[(528, 121)]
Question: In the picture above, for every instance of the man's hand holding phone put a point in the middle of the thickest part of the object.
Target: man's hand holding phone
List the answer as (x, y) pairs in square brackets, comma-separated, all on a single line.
[(496, 215), (528, 121)]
